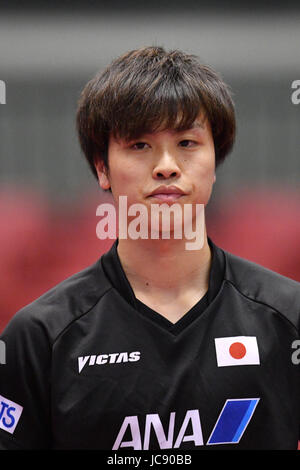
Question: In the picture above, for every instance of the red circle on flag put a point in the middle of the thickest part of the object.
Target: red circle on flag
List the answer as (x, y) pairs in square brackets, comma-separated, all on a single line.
[(237, 350)]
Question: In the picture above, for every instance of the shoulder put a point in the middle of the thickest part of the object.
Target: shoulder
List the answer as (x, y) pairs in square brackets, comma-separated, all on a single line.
[(263, 285), (57, 308)]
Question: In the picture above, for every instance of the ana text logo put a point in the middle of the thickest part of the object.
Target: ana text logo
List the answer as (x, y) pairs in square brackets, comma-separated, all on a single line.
[(229, 428)]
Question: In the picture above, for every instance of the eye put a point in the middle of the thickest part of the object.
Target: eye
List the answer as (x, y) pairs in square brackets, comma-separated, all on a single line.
[(187, 143), (138, 146)]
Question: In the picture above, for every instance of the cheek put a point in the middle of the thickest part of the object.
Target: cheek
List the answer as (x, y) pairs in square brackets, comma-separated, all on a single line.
[(204, 172), (120, 175), (125, 181), (203, 181)]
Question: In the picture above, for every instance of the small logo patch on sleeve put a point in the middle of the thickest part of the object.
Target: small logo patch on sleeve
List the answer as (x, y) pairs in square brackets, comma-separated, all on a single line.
[(10, 413)]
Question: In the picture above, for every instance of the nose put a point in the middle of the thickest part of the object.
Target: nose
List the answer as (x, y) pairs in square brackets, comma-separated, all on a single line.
[(166, 167)]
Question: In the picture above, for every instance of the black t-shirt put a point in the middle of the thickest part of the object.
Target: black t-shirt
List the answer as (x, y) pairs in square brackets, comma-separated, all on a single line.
[(88, 366)]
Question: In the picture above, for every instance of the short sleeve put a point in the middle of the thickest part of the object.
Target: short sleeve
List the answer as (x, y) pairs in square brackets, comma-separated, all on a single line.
[(25, 372)]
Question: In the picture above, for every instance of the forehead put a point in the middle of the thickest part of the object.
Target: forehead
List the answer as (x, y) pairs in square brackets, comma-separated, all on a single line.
[(200, 125)]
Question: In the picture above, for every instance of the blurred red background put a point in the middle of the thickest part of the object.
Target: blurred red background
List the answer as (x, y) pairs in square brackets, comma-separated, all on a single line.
[(42, 244)]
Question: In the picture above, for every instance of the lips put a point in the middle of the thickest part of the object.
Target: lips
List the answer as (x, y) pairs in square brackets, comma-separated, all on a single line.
[(167, 193), (167, 190)]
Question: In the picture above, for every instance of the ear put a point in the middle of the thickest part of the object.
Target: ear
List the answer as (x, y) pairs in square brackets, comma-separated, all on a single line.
[(102, 173), (215, 178)]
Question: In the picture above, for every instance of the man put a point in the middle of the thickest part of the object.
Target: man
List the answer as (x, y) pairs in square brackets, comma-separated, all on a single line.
[(156, 346)]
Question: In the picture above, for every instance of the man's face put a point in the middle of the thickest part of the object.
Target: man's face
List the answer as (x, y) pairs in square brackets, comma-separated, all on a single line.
[(178, 166)]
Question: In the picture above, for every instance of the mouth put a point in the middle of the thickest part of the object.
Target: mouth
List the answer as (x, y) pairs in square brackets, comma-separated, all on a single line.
[(167, 193), (167, 197)]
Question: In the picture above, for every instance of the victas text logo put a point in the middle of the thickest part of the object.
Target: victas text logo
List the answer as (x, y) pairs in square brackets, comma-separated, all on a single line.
[(112, 358)]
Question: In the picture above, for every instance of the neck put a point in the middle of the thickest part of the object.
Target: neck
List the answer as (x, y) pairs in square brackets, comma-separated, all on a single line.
[(164, 264)]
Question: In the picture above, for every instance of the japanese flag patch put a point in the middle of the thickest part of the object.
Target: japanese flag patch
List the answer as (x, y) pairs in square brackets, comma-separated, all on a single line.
[(237, 351)]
